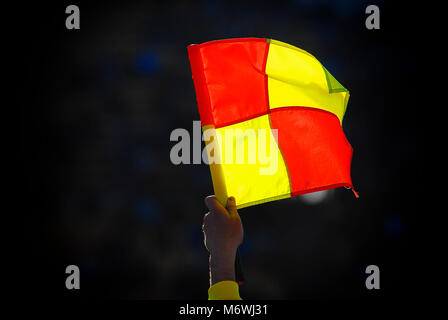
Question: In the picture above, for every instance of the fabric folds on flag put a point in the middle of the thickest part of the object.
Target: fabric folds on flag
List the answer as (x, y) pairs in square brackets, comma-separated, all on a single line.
[(253, 83)]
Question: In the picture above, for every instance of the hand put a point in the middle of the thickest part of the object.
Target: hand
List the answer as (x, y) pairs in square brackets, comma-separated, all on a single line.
[(223, 233)]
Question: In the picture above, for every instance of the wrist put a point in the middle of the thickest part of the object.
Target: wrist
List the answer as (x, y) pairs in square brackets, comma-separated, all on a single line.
[(222, 267)]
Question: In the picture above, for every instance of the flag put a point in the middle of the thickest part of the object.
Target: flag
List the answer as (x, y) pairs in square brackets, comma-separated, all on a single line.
[(264, 84)]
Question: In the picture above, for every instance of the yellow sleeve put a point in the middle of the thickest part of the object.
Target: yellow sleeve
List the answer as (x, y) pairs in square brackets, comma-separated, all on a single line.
[(224, 290)]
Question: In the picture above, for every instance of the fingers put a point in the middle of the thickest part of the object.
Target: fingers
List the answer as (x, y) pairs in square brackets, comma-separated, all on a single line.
[(213, 205), (231, 206)]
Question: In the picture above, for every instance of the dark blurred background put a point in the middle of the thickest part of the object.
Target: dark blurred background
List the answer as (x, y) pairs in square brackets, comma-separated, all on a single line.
[(98, 190)]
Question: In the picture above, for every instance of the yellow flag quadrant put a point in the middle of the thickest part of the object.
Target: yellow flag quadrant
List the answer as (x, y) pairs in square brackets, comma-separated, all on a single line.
[(296, 78)]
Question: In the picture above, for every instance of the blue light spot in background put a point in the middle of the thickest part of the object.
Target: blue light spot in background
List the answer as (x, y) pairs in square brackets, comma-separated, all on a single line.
[(147, 62), (195, 237), (332, 64), (147, 210), (142, 160), (245, 247), (394, 226), (212, 8)]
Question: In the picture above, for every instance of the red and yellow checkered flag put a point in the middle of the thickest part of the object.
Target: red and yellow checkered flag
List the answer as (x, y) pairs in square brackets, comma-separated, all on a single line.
[(253, 83)]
